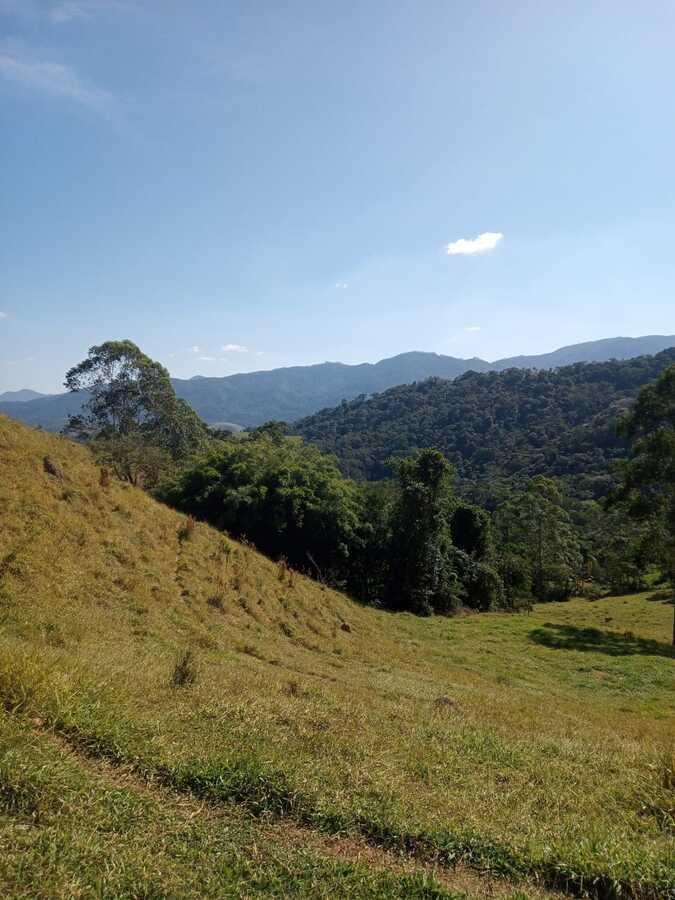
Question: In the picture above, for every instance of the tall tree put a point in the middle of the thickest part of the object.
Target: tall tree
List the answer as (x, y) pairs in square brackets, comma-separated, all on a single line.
[(421, 577), (648, 476), (132, 412), (536, 527)]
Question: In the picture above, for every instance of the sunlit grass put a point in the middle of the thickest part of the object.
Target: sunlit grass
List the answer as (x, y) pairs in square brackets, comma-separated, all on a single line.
[(531, 744)]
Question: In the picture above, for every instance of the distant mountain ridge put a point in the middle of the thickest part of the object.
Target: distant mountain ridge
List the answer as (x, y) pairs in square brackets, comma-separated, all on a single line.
[(292, 393), (590, 351), (21, 396)]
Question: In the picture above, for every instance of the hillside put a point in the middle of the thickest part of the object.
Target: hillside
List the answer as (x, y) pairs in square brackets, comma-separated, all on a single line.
[(290, 393), (515, 423), (308, 746)]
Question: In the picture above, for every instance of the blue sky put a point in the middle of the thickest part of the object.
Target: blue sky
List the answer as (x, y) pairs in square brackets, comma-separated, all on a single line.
[(238, 186)]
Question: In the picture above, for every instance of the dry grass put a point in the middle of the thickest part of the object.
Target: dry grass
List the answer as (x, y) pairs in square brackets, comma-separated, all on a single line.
[(549, 754)]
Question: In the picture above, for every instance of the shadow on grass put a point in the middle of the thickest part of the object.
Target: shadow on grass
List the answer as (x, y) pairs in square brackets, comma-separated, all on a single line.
[(570, 637)]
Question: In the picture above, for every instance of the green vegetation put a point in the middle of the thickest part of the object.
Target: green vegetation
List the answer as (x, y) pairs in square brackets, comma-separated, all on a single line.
[(648, 477), (285, 496), (421, 576), (72, 828), (410, 543), (132, 415), (497, 429), (530, 750), (535, 529)]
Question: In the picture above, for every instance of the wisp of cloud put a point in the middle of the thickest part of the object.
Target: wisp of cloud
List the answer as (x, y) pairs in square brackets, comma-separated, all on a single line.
[(488, 240)]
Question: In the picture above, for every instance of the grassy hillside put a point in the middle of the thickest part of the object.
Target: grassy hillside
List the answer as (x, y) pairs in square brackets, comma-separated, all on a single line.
[(314, 747)]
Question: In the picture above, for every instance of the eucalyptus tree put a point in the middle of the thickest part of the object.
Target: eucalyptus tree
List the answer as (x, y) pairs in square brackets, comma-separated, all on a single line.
[(131, 413)]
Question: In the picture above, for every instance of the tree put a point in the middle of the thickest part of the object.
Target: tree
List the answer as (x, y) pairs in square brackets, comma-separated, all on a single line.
[(535, 527), (471, 530), (421, 577), (648, 476), (283, 495), (132, 414)]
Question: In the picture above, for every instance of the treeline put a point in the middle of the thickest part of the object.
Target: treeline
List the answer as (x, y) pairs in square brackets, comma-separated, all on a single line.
[(496, 429), (409, 542)]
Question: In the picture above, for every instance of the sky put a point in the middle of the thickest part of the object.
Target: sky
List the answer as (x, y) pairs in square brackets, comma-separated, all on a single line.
[(244, 185)]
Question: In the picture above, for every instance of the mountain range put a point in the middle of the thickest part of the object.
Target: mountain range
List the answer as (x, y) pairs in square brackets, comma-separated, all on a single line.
[(292, 393)]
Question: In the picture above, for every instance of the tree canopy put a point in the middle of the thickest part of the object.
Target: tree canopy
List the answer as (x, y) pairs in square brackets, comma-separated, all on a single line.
[(132, 411), (648, 476), (496, 429), (285, 496)]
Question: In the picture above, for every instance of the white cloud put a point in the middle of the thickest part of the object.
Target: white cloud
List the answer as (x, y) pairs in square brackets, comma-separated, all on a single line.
[(486, 241), (234, 348), (341, 285), (195, 348), (3, 315), (50, 78), (207, 358), (472, 328)]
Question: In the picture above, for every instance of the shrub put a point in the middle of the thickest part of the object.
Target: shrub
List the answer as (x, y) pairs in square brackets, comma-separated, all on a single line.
[(484, 587), (185, 670), (592, 591), (187, 529), (556, 585), (217, 602)]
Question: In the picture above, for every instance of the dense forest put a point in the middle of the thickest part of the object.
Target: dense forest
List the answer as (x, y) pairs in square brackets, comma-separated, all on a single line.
[(495, 428)]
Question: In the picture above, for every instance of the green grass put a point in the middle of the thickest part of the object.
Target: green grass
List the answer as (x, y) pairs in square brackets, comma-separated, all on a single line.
[(69, 832), (552, 762)]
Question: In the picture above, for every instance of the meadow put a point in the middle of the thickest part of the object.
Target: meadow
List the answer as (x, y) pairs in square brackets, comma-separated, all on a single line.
[(183, 717)]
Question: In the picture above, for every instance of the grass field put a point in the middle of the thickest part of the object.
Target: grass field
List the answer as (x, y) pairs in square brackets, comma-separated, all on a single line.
[(316, 747)]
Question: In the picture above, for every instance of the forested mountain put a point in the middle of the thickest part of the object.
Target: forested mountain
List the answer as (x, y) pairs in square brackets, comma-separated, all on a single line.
[(291, 393), (250, 399), (494, 426), (288, 394)]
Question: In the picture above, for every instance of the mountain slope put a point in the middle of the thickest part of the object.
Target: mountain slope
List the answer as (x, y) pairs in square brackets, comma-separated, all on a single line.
[(498, 424), (286, 394), (298, 706), (291, 393), (20, 396), (50, 412)]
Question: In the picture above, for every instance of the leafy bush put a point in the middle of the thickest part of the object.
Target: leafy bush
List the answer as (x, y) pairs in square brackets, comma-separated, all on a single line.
[(483, 587), (284, 496)]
